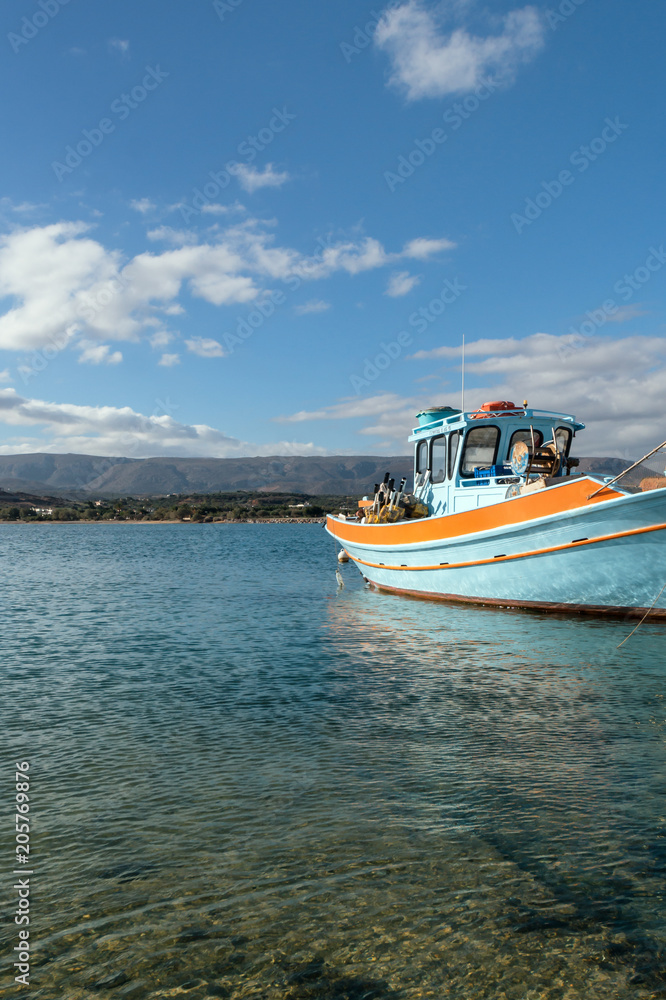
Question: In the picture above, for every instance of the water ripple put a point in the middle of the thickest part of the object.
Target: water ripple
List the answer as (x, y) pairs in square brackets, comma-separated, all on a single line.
[(246, 783)]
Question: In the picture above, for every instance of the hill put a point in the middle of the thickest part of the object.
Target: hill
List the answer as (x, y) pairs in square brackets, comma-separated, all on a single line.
[(83, 476), (86, 475)]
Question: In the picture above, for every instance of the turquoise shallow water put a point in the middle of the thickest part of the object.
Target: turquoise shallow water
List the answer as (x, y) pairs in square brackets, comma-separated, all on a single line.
[(246, 783)]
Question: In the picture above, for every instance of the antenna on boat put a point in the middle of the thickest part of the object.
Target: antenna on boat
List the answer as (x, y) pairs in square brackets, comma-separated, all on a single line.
[(462, 401)]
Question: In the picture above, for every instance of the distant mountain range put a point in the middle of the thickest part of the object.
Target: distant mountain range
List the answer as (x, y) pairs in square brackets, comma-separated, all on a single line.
[(88, 476)]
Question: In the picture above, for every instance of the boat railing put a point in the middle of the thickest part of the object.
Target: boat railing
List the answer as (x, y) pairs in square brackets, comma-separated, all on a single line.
[(517, 414)]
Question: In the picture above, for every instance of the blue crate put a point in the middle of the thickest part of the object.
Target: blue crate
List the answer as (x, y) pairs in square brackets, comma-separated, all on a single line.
[(493, 470)]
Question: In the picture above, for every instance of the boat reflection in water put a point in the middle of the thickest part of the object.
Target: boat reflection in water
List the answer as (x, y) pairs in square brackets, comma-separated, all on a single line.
[(517, 761), (497, 517)]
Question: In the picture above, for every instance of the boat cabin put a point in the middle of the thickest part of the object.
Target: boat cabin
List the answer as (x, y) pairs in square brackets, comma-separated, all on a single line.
[(467, 460)]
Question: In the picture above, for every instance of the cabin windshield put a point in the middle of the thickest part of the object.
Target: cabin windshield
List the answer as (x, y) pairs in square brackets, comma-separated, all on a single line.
[(479, 450), (526, 436)]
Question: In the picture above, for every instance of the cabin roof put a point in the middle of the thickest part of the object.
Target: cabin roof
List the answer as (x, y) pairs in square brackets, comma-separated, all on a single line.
[(457, 421)]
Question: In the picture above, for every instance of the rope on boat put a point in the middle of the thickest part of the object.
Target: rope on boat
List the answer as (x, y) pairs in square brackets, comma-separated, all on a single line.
[(338, 574), (606, 485), (645, 615)]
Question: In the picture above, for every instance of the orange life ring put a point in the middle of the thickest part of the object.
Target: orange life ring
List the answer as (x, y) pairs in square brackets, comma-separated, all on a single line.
[(499, 407)]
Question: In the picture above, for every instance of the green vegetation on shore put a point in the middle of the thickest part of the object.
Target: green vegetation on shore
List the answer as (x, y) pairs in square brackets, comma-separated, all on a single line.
[(196, 507)]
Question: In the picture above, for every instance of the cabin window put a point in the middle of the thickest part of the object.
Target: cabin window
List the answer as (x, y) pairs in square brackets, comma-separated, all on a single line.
[(563, 438), (454, 440), (526, 436), (480, 449), (438, 459), (422, 456)]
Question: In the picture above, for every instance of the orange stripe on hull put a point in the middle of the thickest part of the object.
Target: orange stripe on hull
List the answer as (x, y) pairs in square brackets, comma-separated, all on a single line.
[(544, 503), (518, 555)]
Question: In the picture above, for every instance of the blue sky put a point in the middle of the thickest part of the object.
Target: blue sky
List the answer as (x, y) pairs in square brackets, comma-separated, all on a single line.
[(240, 227)]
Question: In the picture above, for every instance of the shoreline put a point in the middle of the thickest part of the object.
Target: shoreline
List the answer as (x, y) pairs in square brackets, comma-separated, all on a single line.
[(272, 520)]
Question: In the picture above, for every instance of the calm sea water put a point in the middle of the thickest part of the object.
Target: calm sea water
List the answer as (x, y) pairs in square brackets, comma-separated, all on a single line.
[(246, 783)]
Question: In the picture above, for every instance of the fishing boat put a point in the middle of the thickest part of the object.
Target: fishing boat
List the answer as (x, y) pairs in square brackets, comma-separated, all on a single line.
[(500, 516)]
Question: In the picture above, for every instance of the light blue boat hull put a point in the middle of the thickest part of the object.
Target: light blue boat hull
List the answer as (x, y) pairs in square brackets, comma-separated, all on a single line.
[(609, 557)]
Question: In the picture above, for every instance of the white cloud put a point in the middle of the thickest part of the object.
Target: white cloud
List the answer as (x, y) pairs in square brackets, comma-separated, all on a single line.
[(110, 430), (421, 249), (179, 237), (401, 283), (169, 360), (143, 205), (350, 407), (366, 255), (216, 209), (43, 269), (352, 257), (313, 306), (387, 417), (427, 62), (63, 284), (121, 45), (251, 179), (205, 347), (6, 204), (487, 346), (626, 313), (616, 387), (98, 354), (160, 339), (5, 376)]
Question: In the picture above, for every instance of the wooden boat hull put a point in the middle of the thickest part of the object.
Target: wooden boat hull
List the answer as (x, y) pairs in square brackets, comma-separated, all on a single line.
[(555, 550)]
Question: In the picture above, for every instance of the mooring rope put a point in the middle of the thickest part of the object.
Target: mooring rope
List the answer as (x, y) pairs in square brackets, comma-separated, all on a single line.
[(606, 485), (644, 616)]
